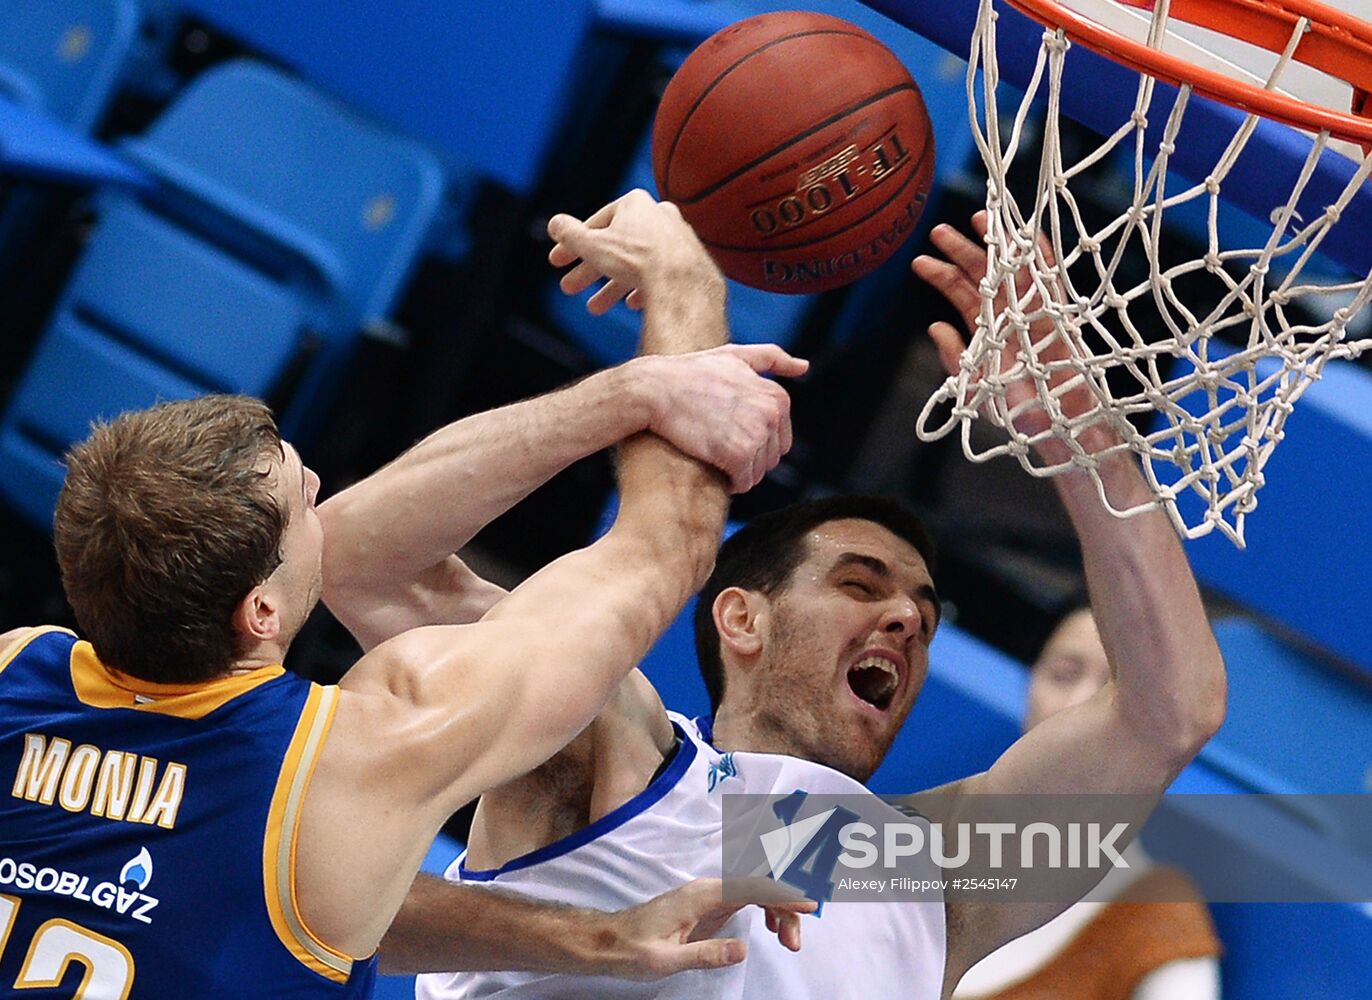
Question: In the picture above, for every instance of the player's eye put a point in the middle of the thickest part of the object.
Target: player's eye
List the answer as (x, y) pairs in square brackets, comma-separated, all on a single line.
[(858, 587)]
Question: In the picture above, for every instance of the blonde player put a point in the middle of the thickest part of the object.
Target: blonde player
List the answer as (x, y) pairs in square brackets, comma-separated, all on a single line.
[(187, 819)]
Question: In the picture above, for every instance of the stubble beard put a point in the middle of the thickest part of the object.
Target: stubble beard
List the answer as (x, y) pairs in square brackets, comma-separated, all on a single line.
[(805, 728)]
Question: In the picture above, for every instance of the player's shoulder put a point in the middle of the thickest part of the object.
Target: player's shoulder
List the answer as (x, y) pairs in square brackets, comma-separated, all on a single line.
[(13, 636), (13, 641)]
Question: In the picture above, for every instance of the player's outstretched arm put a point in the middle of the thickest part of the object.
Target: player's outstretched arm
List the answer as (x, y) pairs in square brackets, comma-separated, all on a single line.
[(1167, 694), (389, 539), (450, 927)]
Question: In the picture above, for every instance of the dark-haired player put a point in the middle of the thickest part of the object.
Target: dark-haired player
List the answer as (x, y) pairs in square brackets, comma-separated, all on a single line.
[(814, 632)]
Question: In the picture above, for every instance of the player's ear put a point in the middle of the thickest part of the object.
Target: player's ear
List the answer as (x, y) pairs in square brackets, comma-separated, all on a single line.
[(741, 618), (257, 617)]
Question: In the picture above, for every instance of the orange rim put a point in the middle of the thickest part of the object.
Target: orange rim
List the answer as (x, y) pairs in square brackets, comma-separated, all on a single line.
[(1337, 43)]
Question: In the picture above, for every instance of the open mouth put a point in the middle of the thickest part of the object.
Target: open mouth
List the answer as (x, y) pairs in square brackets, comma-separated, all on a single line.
[(874, 680)]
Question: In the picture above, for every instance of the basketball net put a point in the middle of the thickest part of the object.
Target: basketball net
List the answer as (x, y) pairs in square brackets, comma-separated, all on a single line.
[(1210, 390)]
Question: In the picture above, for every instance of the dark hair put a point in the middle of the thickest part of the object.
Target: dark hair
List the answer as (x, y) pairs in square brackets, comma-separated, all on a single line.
[(165, 522), (764, 553)]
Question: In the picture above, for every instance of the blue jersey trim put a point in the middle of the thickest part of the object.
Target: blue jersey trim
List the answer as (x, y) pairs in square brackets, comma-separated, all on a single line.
[(615, 818), (705, 725)]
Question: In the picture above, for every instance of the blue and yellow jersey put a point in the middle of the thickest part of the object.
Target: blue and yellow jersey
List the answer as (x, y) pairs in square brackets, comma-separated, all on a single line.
[(146, 832)]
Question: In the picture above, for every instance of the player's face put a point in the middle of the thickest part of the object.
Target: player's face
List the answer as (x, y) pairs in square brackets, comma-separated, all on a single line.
[(847, 647), (300, 574), (1070, 669)]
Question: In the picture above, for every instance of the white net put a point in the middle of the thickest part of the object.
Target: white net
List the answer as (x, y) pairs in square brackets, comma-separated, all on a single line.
[(1194, 363)]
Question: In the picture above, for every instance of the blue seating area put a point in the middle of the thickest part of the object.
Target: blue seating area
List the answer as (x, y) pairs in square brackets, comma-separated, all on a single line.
[(241, 272), (261, 220), (60, 65), (64, 58)]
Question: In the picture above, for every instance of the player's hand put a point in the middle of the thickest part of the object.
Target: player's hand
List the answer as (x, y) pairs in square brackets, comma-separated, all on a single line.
[(958, 279), (674, 932), (716, 407), (633, 244)]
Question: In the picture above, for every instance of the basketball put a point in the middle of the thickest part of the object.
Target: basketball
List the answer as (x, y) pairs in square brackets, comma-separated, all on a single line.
[(798, 147)]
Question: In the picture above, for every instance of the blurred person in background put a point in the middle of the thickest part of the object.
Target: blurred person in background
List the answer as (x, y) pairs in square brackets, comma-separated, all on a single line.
[(1145, 934)]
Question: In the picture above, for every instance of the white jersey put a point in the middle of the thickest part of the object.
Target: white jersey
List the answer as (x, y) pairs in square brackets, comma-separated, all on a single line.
[(670, 833)]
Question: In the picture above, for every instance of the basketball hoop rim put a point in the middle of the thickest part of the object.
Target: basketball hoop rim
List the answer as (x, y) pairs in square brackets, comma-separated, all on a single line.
[(1343, 50)]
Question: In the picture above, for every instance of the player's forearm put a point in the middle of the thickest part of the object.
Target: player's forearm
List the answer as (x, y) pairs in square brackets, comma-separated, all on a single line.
[(1169, 674), (674, 509), (446, 927), (674, 503), (398, 523), (683, 308)]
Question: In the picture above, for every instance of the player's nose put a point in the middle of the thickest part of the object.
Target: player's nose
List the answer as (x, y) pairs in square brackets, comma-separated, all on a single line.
[(900, 616)]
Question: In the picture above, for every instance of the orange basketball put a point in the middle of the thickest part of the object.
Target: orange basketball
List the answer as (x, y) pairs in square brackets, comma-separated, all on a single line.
[(799, 148)]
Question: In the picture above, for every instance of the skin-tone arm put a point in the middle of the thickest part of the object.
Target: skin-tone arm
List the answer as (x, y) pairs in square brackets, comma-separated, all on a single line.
[(1167, 692), (388, 558), (444, 927), (433, 717)]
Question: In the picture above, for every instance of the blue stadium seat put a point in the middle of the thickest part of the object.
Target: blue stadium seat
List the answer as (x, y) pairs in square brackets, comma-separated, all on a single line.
[(64, 57), (1295, 726), (283, 226), (433, 70), (683, 22), (60, 62)]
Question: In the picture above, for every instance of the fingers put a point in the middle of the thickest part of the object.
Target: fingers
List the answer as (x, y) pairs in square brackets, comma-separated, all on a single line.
[(966, 254), (953, 283), (603, 300), (571, 236), (775, 433), (786, 926), (767, 892), (561, 255), (950, 345), (741, 479), (717, 953), (563, 227), (579, 278), (784, 431), (769, 359)]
